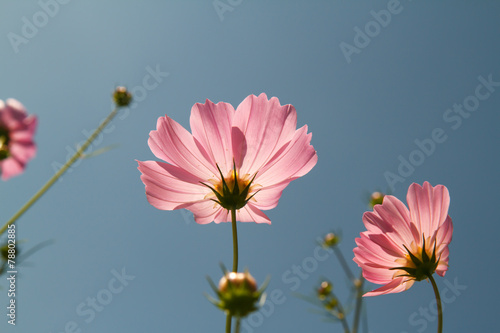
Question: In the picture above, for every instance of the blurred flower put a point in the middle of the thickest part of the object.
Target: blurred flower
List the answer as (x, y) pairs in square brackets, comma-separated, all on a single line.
[(239, 160), (16, 138), (402, 246)]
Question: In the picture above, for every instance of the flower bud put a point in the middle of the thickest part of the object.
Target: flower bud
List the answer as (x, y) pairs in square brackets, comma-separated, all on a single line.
[(376, 198), (324, 290), (122, 97), (331, 240), (238, 294), (331, 304), (241, 281)]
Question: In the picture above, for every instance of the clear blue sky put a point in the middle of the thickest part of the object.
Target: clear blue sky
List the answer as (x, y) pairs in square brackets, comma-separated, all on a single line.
[(370, 98)]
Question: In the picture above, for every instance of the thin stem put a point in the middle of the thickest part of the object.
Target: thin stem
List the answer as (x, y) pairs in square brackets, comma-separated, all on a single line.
[(61, 171), (228, 323), (438, 302), (343, 263), (238, 324), (235, 240), (359, 302), (341, 316), (235, 266)]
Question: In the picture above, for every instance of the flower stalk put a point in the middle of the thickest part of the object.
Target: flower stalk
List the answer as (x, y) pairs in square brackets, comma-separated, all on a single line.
[(438, 303), (359, 302), (235, 262)]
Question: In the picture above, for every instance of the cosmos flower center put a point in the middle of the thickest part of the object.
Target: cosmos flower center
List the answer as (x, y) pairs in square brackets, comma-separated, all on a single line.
[(4, 143), (243, 182), (233, 191), (418, 263)]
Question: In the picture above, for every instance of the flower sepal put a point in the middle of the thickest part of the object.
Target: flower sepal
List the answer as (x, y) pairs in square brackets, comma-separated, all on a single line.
[(425, 266), (232, 198)]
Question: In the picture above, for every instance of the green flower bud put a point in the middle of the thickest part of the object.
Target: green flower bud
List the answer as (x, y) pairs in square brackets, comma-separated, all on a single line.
[(324, 290), (331, 304), (122, 97), (331, 240), (376, 198), (238, 294)]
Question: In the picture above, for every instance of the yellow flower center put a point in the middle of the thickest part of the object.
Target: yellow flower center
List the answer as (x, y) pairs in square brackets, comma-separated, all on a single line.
[(418, 263), (232, 191)]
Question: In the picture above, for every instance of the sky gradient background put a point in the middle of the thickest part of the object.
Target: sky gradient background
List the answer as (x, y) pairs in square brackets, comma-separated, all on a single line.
[(365, 110)]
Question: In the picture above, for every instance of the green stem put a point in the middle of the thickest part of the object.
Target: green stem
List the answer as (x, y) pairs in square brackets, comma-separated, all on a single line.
[(61, 171), (228, 323), (438, 303), (344, 264), (235, 240), (235, 266), (359, 302), (342, 317), (238, 324)]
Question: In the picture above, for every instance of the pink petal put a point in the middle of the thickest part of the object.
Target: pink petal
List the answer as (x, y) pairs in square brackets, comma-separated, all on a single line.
[(266, 127), (12, 114), (268, 197), (445, 232), (11, 167), (428, 207), (25, 132), (395, 286), (380, 248), (22, 152), (168, 187), (174, 144), (376, 274), (211, 125), (204, 211), (392, 219), (293, 161)]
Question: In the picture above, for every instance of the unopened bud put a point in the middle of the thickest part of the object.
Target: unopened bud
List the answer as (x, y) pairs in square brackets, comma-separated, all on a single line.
[(376, 198), (242, 281), (238, 294), (331, 304), (331, 240), (324, 290), (122, 97)]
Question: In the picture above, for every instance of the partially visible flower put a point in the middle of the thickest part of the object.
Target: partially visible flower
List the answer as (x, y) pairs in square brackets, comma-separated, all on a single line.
[(16, 138), (404, 245), (234, 159)]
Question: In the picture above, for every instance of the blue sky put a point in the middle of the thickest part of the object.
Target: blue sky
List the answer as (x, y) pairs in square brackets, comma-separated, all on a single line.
[(374, 81)]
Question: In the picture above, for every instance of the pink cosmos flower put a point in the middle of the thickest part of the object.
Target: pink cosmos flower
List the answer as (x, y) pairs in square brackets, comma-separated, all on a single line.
[(402, 246), (16, 138), (241, 159)]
